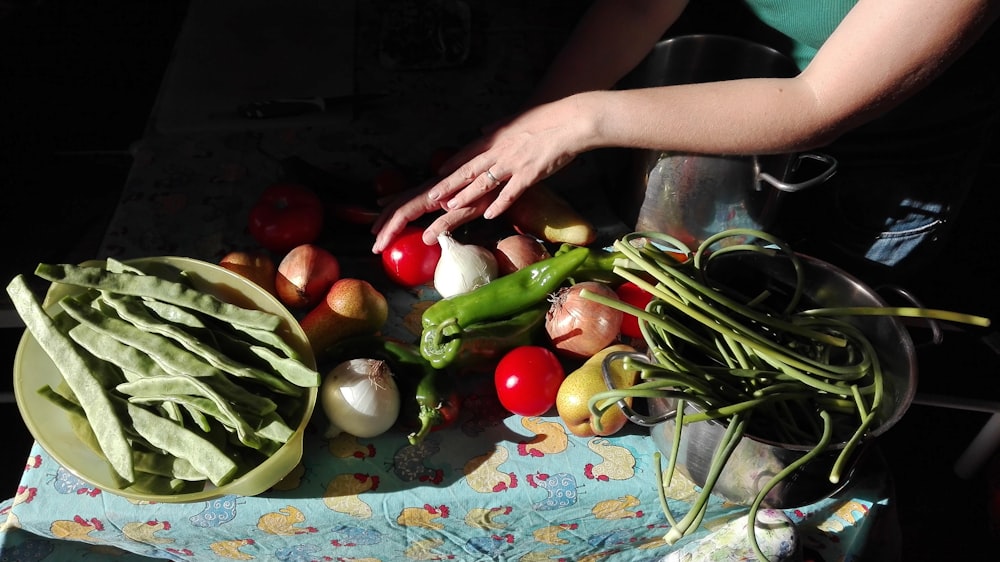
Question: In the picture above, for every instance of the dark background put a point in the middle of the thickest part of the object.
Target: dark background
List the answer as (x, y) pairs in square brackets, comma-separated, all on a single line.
[(78, 80)]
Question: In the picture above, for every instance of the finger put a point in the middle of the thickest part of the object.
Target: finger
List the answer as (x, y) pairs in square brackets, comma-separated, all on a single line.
[(453, 219), (465, 175), (504, 198), (463, 155), (415, 200), (487, 182), (391, 223)]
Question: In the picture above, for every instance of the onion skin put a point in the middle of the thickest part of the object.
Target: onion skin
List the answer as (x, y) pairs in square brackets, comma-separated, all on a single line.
[(351, 408), (579, 327), (305, 275), (518, 251)]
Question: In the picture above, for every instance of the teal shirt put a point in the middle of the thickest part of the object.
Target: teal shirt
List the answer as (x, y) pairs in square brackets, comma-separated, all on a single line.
[(808, 23)]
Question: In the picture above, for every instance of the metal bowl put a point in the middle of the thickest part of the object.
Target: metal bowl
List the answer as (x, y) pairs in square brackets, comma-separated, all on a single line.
[(756, 460)]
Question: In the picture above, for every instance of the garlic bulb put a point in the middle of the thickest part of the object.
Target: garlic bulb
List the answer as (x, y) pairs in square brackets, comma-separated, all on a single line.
[(462, 267)]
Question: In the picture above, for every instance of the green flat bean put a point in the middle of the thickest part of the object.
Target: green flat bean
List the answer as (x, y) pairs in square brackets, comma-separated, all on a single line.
[(167, 465), (132, 358), (78, 370), (158, 288), (189, 389), (267, 338), (131, 310), (180, 442)]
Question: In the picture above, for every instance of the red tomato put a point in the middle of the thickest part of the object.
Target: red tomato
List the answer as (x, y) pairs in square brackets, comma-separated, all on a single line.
[(286, 215), (632, 294), (527, 380), (408, 261)]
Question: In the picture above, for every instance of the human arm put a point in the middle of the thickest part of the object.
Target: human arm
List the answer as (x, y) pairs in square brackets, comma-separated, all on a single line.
[(882, 53), (608, 41)]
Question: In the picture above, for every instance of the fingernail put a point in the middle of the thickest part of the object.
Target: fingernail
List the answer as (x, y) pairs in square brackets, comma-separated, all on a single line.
[(489, 214), (433, 195)]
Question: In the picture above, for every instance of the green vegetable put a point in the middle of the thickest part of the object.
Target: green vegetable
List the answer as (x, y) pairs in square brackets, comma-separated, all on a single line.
[(132, 360), (131, 310), (157, 288), (426, 393), (445, 322), (789, 375), (202, 454), (599, 265), (486, 342), (78, 370), (174, 392)]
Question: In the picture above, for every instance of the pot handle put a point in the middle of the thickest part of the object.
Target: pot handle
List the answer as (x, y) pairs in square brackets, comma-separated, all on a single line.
[(831, 168), (633, 416)]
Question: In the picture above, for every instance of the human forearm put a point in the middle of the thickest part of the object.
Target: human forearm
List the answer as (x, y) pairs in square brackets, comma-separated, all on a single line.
[(755, 116)]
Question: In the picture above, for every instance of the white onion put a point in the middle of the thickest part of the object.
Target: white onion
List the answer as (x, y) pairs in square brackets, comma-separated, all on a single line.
[(462, 267), (360, 397)]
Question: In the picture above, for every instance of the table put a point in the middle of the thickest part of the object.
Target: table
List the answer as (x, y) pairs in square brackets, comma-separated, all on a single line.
[(493, 487)]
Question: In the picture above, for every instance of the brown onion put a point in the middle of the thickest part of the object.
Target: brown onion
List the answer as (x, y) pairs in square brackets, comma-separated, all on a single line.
[(518, 251), (579, 327)]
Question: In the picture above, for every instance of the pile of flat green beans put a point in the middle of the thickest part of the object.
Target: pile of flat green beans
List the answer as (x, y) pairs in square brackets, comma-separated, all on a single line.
[(782, 373), (173, 386)]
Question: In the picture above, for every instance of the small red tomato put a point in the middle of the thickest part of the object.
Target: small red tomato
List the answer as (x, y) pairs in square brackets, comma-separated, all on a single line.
[(527, 380), (634, 295), (286, 215), (408, 261), (390, 181)]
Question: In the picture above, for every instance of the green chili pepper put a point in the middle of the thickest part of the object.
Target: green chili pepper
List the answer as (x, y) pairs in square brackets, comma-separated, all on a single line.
[(486, 342), (445, 321), (429, 400), (599, 265)]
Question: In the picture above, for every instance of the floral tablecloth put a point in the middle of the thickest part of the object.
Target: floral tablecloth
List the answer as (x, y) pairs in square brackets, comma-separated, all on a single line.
[(498, 487), (493, 487)]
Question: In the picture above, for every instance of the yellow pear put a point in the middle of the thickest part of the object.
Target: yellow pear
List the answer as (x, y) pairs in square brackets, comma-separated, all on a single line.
[(586, 381), (352, 307)]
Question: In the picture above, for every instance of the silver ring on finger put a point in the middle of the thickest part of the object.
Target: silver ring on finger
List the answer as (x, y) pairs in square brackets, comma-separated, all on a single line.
[(493, 178)]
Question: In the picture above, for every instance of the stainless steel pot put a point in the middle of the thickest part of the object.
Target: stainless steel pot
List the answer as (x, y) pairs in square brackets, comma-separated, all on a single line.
[(693, 196), (755, 460)]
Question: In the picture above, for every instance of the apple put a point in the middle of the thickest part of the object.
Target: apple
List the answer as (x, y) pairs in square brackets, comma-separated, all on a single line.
[(257, 266), (305, 274)]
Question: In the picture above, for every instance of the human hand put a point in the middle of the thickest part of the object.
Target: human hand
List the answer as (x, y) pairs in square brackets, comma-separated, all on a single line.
[(413, 204), (485, 177)]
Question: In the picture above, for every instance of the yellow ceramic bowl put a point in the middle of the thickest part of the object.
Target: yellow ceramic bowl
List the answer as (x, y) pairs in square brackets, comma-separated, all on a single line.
[(51, 428)]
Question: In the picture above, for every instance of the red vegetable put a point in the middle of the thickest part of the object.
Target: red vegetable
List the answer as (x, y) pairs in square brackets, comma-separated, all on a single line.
[(408, 261), (634, 295), (286, 215), (527, 380), (580, 327)]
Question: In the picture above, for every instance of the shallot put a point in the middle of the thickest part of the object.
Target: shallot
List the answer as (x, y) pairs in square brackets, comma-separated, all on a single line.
[(580, 327)]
